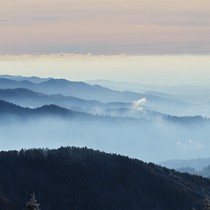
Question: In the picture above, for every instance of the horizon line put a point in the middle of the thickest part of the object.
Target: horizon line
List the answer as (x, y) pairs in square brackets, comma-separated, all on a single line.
[(90, 55)]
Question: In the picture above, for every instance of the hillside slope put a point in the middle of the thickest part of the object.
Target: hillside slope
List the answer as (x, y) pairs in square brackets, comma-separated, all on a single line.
[(83, 179)]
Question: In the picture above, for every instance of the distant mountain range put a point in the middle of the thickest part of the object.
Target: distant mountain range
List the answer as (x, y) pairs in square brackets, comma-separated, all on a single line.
[(28, 98), (72, 92), (81, 178), (11, 110), (195, 98), (75, 89), (34, 92), (128, 124), (22, 78), (199, 166), (8, 109), (186, 93)]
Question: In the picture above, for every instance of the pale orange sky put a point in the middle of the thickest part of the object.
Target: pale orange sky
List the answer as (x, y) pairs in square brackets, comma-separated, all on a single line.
[(105, 26)]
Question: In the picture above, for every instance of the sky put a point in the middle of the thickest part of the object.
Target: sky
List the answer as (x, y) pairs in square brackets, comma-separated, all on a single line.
[(158, 69), (105, 26), (163, 42), (145, 41)]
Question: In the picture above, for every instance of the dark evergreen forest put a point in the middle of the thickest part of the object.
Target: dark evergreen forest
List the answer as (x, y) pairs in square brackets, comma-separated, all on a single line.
[(72, 178)]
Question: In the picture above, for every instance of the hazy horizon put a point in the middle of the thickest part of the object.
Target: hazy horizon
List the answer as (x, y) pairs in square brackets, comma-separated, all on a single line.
[(156, 69)]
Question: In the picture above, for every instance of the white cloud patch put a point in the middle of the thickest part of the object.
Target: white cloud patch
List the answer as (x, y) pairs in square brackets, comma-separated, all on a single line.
[(138, 105)]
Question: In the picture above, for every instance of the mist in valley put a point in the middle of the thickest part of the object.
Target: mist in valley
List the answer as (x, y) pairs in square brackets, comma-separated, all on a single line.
[(152, 125), (154, 141)]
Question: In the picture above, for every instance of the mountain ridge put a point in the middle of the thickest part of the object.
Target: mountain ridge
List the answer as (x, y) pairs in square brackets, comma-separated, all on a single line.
[(7, 108), (82, 178)]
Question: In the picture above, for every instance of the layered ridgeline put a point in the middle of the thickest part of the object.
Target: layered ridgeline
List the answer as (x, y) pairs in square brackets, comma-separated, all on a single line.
[(83, 179), (12, 110), (34, 91), (152, 126)]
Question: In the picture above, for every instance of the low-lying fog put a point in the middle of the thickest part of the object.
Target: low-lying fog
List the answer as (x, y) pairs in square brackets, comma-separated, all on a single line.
[(154, 141)]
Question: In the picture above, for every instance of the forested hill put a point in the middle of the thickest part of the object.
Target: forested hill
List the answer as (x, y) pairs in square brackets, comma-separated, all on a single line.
[(83, 179)]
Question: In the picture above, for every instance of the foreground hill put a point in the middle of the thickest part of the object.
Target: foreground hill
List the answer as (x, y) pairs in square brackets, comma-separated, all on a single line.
[(74, 178)]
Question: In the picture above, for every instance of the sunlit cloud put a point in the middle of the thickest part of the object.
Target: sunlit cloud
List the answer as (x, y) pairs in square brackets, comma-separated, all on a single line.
[(60, 55), (138, 105)]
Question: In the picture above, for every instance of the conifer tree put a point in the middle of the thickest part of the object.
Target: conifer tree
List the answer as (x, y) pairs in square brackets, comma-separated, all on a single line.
[(32, 203), (206, 203)]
